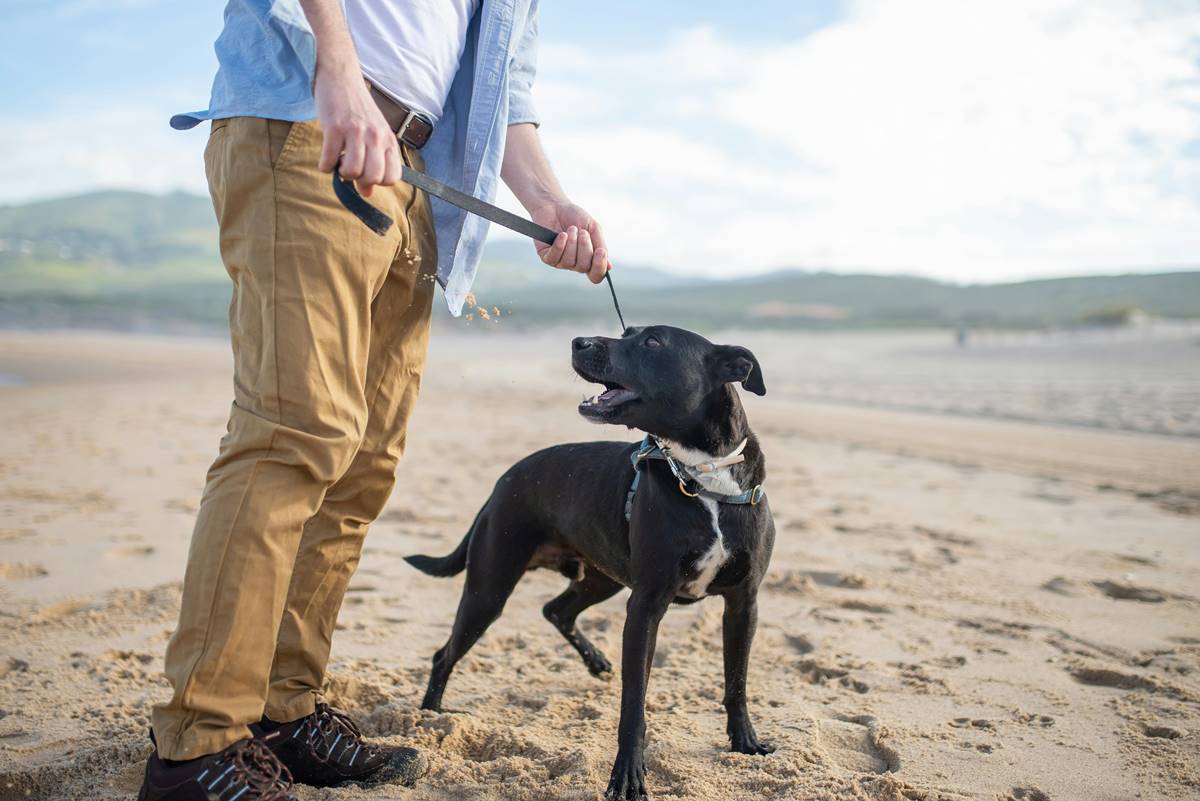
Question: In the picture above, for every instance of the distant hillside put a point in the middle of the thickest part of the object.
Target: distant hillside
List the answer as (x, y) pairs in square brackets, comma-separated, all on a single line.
[(131, 260), (103, 240)]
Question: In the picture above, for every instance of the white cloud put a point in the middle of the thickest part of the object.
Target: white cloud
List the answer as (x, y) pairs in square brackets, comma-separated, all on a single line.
[(969, 140), (123, 146)]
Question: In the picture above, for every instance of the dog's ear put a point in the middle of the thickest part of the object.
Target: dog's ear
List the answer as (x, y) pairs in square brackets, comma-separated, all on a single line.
[(732, 363)]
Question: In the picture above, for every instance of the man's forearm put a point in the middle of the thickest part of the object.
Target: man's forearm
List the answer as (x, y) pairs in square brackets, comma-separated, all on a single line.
[(353, 127), (580, 243), (527, 171), (335, 48)]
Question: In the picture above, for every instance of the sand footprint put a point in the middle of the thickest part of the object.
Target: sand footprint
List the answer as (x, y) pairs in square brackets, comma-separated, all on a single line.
[(800, 643), (844, 581), (1025, 794), (130, 550), (1125, 591), (21, 571), (822, 675), (857, 744), (183, 505)]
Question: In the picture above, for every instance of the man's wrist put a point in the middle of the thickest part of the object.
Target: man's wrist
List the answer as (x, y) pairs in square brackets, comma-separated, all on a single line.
[(546, 202), (338, 67)]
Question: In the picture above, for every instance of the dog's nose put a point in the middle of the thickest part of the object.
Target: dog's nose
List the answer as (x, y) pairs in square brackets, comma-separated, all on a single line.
[(582, 343)]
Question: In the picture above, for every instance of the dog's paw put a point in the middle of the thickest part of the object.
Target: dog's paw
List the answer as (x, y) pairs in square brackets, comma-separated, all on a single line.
[(596, 662), (628, 782), (752, 747), (743, 740), (599, 666)]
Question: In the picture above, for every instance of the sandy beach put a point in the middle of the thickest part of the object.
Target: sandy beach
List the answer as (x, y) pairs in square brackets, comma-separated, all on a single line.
[(958, 607)]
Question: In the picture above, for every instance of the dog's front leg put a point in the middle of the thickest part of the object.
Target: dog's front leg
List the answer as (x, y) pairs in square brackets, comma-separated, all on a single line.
[(643, 614), (740, 621)]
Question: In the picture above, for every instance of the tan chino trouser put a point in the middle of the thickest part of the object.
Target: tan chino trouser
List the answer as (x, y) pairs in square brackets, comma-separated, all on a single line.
[(329, 325)]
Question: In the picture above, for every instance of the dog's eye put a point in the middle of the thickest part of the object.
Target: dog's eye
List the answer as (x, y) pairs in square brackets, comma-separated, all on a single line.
[(651, 342)]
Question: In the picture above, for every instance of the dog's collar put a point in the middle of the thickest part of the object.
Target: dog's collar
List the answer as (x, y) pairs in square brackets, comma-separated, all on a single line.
[(651, 448), (710, 466)]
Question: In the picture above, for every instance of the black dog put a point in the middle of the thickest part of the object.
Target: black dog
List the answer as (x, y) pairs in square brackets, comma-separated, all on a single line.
[(676, 519)]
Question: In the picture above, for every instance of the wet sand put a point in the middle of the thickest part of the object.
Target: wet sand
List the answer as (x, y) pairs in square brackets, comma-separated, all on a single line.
[(957, 607)]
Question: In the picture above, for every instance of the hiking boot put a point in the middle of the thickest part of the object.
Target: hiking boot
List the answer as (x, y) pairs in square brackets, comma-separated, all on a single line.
[(326, 749), (246, 770)]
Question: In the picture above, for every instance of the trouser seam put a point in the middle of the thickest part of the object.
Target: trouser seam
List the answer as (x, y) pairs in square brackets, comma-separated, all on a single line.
[(190, 719)]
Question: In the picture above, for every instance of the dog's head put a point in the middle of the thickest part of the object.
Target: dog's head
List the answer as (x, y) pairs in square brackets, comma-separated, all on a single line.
[(659, 378)]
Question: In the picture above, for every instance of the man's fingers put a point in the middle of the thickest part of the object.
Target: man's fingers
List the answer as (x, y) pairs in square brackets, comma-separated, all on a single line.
[(598, 236), (374, 162), (553, 254), (353, 156), (583, 257), (392, 162), (331, 148), (599, 266), (567, 261)]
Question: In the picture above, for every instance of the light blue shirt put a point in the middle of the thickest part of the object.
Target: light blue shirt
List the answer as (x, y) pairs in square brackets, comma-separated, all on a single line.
[(267, 59)]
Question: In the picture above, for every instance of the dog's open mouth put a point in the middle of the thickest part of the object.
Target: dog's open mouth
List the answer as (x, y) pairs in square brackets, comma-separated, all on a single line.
[(607, 403)]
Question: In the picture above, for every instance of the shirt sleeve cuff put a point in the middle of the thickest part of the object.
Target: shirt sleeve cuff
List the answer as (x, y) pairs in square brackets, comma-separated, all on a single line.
[(521, 109)]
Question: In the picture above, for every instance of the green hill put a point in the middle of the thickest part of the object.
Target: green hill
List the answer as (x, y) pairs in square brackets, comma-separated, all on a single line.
[(131, 260), (105, 240)]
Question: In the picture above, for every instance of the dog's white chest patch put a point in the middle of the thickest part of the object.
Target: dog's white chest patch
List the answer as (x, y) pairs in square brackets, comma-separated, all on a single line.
[(719, 481), (710, 562)]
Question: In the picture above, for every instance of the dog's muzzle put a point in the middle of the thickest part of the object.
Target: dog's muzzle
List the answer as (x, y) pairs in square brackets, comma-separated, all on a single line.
[(590, 357)]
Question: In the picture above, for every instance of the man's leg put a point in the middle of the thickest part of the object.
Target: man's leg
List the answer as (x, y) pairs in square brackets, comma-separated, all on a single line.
[(305, 274), (333, 538)]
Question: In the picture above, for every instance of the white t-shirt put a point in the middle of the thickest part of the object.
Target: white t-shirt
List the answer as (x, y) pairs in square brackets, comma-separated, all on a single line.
[(410, 49)]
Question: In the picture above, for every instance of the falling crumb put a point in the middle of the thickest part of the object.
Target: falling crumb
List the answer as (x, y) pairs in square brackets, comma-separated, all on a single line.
[(479, 310)]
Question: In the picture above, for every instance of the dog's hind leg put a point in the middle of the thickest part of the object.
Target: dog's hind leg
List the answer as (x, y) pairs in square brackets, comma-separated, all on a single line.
[(495, 564), (739, 623), (563, 610)]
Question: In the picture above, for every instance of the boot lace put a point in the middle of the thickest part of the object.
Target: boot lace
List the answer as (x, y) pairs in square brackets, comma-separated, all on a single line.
[(334, 738), (247, 772)]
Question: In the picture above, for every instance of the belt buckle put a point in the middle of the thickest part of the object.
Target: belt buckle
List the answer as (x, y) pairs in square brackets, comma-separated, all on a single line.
[(403, 129)]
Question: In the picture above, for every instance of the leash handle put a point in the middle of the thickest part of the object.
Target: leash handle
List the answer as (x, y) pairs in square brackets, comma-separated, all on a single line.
[(349, 196)]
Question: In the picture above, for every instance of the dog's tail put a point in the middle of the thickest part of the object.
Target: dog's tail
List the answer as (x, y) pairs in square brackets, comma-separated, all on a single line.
[(442, 566)]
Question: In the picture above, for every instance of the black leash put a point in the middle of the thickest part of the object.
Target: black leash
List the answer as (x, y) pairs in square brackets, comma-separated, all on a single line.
[(379, 222), (616, 305)]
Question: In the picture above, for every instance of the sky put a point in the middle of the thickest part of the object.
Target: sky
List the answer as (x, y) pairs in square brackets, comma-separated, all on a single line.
[(968, 140)]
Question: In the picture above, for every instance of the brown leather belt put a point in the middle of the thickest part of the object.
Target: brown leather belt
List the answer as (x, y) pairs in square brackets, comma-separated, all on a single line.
[(410, 126)]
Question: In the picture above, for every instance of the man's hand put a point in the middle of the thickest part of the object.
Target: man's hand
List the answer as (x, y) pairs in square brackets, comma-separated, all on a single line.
[(580, 243), (353, 126)]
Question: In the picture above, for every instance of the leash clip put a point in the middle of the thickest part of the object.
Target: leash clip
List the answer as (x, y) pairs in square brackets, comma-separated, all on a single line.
[(683, 489)]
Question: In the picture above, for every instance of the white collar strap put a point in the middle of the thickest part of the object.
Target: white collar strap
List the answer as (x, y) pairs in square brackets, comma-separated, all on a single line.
[(681, 453)]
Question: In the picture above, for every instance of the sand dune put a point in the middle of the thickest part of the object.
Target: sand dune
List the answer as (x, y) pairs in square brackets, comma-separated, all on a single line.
[(957, 608)]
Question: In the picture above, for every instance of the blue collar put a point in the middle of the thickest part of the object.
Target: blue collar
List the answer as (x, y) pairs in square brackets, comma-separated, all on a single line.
[(688, 485)]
